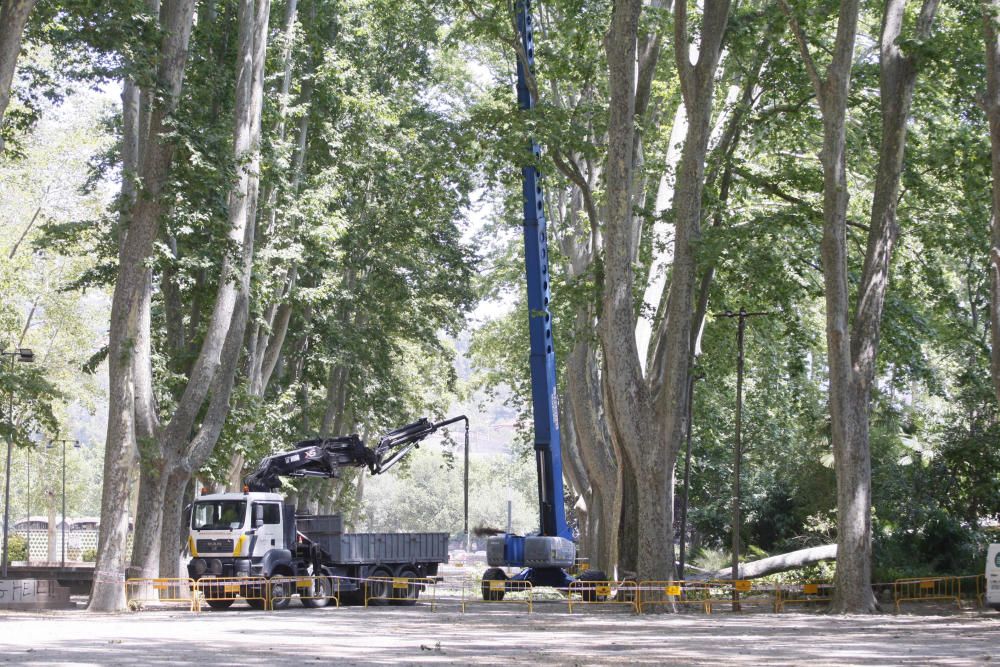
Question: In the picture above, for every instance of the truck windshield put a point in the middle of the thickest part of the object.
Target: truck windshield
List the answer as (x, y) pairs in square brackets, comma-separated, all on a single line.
[(218, 514)]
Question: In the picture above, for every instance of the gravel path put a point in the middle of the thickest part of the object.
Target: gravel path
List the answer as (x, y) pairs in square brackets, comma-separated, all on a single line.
[(493, 635)]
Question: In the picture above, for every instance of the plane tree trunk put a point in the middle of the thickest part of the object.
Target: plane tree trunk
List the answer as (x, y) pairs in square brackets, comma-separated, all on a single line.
[(13, 17), (214, 373), (127, 306), (991, 36), (853, 347)]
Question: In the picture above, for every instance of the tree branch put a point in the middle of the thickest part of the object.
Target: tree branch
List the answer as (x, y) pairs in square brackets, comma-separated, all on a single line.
[(800, 37)]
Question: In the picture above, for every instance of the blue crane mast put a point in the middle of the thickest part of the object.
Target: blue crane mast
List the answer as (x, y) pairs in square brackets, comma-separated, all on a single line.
[(545, 555)]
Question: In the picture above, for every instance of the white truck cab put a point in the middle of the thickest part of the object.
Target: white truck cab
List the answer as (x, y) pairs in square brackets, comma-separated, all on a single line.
[(992, 592), (238, 534)]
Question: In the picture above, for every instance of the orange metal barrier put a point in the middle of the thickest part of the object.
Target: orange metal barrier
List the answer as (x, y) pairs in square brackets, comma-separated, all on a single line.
[(654, 593), (740, 592), (312, 591), (604, 592), (805, 593), (399, 590), (493, 591), (140, 592), (976, 588), (221, 592), (926, 589)]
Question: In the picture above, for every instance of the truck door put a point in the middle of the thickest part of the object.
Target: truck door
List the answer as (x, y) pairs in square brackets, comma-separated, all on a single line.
[(269, 532)]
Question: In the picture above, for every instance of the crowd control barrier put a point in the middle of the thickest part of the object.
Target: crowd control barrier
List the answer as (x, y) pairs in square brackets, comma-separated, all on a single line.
[(667, 593), (399, 590), (497, 591), (740, 592), (925, 589), (809, 592), (312, 591), (603, 593), (140, 592)]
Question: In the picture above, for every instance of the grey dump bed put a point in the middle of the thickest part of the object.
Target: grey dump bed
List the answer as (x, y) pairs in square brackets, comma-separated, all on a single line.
[(360, 548)]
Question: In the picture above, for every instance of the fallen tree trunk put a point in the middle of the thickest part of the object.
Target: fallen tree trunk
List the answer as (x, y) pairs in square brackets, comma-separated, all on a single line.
[(780, 563)]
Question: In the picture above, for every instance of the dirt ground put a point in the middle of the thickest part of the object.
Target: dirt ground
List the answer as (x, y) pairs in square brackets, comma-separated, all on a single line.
[(493, 634)]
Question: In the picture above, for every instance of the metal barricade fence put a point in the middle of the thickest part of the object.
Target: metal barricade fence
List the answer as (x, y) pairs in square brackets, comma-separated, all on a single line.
[(493, 591), (973, 586), (400, 590), (139, 592), (604, 592), (740, 592), (663, 593), (221, 592), (312, 591), (925, 589), (809, 592)]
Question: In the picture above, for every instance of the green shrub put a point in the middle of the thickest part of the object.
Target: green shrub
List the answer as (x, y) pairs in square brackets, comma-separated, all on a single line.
[(89, 555), (17, 548)]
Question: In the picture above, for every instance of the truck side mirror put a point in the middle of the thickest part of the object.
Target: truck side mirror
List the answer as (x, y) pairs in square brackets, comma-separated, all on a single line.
[(258, 516)]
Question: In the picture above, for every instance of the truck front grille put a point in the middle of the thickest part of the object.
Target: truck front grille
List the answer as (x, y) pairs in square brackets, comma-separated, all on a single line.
[(214, 546)]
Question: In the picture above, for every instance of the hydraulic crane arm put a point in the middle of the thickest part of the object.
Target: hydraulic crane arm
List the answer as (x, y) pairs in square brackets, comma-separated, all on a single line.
[(324, 457)]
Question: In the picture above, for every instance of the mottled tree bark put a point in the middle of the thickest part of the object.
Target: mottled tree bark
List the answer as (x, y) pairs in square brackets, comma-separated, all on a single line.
[(648, 419), (991, 35), (13, 17), (215, 370), (127, 311), (853, 347)]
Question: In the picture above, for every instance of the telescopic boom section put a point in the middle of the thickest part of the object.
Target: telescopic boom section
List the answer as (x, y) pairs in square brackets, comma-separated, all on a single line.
[(324, 457), (544, 400)]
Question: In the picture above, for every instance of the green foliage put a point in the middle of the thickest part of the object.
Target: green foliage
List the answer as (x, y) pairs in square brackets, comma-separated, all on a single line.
[(17, 548)]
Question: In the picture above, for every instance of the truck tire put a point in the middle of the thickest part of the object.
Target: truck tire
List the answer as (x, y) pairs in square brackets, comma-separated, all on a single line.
[(493, 574), (280, 592), (412, 590), (378, 592), (220, 605), (221, 599), (589, 593), (277, 594), (320, 594)]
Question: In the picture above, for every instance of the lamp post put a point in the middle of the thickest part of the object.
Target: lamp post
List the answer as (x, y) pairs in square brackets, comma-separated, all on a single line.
[(738, 445), (692, 378), (23, 355), (76, 445)]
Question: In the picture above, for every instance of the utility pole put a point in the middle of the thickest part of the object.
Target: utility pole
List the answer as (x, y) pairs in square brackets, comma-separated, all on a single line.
[(738, 447), (76, 445), (23, 355), (692, 378)]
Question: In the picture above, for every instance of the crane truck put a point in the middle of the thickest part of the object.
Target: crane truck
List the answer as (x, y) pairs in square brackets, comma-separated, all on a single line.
[(254, 533), (281, 543), (544, 556)]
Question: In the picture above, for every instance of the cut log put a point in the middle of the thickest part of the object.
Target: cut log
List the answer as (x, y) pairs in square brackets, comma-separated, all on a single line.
[(780, 563)]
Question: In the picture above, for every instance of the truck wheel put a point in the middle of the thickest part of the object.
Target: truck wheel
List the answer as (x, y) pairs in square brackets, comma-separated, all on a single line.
[(216, 597), (490, 593), (320, 593), (377, 592), (589, 593), (219, 605), (412, 589), (279, 593)]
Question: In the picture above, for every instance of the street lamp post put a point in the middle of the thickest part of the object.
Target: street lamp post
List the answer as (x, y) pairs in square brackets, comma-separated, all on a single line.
[(26, 356), (27, 526), (76, 445), (738, 446)]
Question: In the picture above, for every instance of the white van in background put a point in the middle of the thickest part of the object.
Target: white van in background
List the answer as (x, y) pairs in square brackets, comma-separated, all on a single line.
[(993, 577)]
